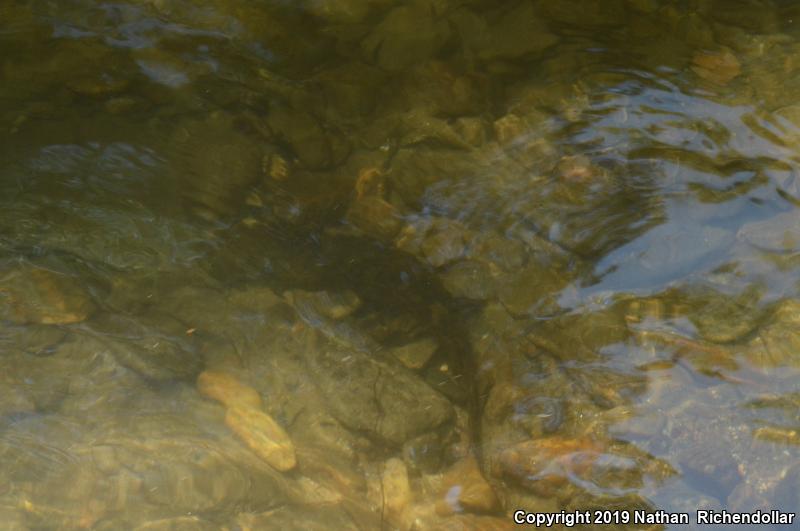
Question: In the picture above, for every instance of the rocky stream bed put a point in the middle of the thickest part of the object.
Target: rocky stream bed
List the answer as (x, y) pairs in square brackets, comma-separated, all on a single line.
[(371, 264)]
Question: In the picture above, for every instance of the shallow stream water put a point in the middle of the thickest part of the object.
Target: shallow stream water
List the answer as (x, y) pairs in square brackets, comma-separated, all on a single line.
[(383, 264)]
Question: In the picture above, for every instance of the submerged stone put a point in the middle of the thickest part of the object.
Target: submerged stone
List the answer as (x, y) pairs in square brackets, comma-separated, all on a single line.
[(517, 33), (382, 400), (265, 437), (31, 295), (531, 289), (313, 145), (469, 279), (408, 34), (335, 305), (777, 342), (719, 67), (416, 355), (155, 357), (445, 243), (548, 463), (375, 217), (227, 389), (465, 489), (213, 164), (396, 492)]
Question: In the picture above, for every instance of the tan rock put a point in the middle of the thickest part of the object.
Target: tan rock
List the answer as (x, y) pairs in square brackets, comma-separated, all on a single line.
[(376, 217), (719, 67), (40, 296), (546, 464), (332, 469), (509, 128), (465, 489), (263, 436), (396, 492), (417, 354), (225, 388)]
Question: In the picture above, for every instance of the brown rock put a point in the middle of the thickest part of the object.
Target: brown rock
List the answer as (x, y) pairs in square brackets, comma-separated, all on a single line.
[(576, 169), (41, 296), (396, 492), (263, 436), (509, 128), (719, 67), (225, 388), (465, 489), (417, 354), (332, 470), (548, 463), (376, 217), (445, 243)]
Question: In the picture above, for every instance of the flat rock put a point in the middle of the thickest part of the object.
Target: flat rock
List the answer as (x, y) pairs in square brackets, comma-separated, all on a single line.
[(227, 389), (408, 35), (374, 397), (396, 491), (33, 295), (469, 279), (519, 32), (263, 435), (417, 354), (465, 489)]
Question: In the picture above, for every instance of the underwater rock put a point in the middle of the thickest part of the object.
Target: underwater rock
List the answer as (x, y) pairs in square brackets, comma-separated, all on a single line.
[(510, 128), (416, 355), (472, 130), (265, 437), (227, 389), (376, 398), (396, 492), (375, 217), (343, 475), (425, 452), (465, 489), (33, 295), (469, 279), (314, 146), (14, 400), (40, 340), (719, 67), (587, 13), (531, 289), (213, 164), (445, 243), (723, 318), (335, 305), (503, 253), (155, 356), (777, 342), (314, 493), (548, 463), (343, 11), (408, 35), (519, 32), (440, 89)]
